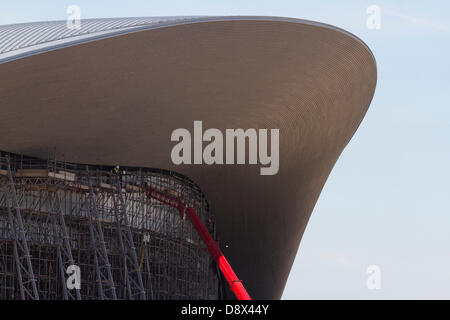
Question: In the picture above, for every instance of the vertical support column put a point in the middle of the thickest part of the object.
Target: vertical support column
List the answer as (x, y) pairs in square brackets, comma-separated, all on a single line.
[(123, 253), (133, 274), (101, 259), (63, 246), (24, 267), (60, 260)]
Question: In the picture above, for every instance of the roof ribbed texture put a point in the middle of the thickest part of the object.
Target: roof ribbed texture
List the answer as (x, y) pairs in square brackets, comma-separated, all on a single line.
[(20, 36)]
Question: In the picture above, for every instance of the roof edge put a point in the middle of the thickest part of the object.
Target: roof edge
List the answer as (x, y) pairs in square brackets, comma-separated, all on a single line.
[(173, 21)]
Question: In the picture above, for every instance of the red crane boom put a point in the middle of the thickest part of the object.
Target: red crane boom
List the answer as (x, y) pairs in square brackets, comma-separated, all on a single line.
[(235, 284)]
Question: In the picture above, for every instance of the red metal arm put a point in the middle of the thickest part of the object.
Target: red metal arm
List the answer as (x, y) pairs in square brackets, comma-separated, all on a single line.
[(235, 284)]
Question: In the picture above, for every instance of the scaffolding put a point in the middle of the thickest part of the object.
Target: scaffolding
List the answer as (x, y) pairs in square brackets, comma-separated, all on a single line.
[(55, 215)]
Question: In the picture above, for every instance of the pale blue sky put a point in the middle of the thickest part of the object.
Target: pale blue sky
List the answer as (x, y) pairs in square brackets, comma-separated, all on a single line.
[(387, 201)]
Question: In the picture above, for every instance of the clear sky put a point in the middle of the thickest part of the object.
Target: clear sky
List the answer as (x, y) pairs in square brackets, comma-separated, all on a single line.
[(387, 201)]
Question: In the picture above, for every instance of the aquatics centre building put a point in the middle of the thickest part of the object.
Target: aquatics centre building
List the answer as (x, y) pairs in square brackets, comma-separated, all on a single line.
[(76, 103)]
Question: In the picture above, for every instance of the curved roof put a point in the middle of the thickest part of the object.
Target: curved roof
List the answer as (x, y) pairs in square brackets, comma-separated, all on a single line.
[(113, 92)]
